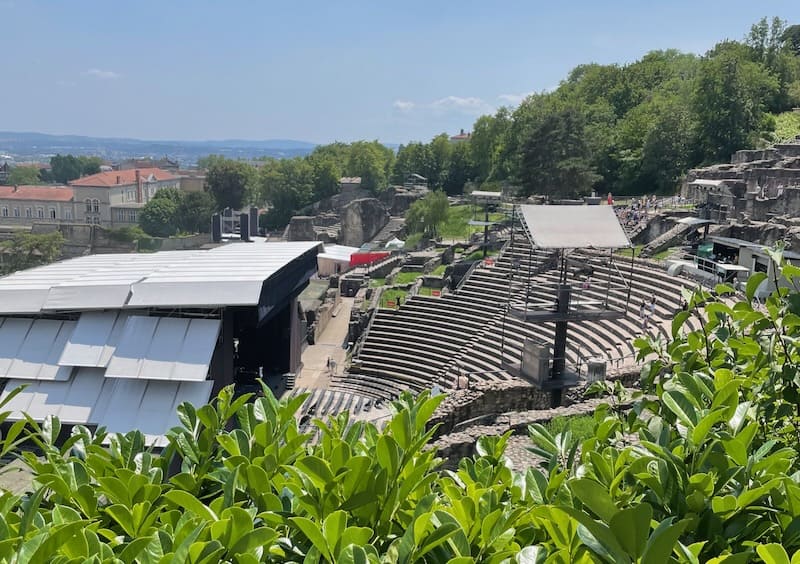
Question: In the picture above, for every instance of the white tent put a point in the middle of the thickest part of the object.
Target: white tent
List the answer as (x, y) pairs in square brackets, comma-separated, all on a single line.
[(335, 259)]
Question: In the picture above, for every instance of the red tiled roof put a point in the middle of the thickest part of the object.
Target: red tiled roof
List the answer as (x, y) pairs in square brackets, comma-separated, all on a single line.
[(42, 193), (122, 177)]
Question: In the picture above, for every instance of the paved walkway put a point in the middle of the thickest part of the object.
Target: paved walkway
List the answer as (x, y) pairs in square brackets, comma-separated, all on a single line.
[(314, 372)]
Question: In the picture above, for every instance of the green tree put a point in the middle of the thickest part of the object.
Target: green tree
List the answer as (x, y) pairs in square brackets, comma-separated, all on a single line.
[(555, 158), (286, 185), (372, 161), (229, 182), (159, 217), (65, 168), (427, 214), (791, 39), (728, 102), (194, 212), (460, 169), (327, 173), (489, 145), (89, 165), (23, 176), (27, 250)]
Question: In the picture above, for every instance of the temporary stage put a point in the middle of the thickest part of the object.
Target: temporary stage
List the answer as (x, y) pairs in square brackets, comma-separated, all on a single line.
[(121, 340)]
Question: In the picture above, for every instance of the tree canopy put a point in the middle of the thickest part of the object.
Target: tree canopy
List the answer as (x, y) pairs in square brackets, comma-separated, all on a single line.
[(27, 250), (64, 168), (172, 211), (22, 176), (228, 181)]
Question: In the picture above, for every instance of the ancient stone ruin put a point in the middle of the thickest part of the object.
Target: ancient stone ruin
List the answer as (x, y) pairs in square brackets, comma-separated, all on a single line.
[(757, 184)]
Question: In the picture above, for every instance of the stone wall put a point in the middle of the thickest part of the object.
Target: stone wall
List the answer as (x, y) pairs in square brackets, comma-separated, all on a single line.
[(301, 228), (490, 399), (455, 446), (361, 221)]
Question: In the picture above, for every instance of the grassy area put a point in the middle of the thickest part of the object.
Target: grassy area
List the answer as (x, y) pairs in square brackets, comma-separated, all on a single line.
[(439, 270), (458, 217), (636, 250), (581, 426), (787, 125), (406, 277), (393, 295), (478, 255), (376, 282)]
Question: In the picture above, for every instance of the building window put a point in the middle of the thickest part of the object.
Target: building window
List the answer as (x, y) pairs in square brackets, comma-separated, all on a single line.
[(152, 191), (5, 211), (130, 195), (132, 216), (88, 205), (68, 214), (120, 215), (95, 206), (40, 213), (52, 213), (28, 212), (96, 220), (16, 212)]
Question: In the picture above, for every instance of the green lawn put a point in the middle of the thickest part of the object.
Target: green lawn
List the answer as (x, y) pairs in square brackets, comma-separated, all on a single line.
[(426, 291), (376, 282), (477, 255), (393, 295), (406, 277), (439, 270), (458, 217)]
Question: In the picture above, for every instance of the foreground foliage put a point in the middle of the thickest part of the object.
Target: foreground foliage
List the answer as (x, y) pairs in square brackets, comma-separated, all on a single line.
[(702, 468)]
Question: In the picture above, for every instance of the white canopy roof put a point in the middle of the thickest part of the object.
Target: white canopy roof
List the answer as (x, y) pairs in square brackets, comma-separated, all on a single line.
[(338, 252), (573, 227), (228, 275)]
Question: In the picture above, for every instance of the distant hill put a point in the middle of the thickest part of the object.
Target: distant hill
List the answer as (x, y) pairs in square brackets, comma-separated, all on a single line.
[(24, 146)]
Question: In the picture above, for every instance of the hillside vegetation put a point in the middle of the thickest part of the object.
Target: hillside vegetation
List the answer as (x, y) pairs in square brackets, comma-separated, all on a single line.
[(626, 129), (703, 468)]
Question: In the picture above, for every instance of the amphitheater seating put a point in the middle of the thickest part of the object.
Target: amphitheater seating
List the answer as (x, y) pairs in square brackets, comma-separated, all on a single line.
[(433, 340)]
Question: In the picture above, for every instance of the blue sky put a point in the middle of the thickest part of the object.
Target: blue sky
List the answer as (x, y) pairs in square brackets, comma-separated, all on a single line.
[(321, 70)]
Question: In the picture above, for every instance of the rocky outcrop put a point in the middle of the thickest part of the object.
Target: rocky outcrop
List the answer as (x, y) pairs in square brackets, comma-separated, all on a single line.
[(361, 220)]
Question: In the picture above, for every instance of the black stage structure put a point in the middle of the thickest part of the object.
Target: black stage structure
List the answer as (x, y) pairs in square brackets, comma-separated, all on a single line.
[(562, 230)]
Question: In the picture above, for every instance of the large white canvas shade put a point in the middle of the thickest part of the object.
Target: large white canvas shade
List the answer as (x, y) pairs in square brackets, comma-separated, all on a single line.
[(30, 349), (74, 402), (94, 339), (164, 348), (118, 405), (150, 406), (573, 227)]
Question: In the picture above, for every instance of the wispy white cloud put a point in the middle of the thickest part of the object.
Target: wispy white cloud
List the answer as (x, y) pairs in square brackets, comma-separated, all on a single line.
[(102, 74), (403, 105), (513, 99), (469, 105)]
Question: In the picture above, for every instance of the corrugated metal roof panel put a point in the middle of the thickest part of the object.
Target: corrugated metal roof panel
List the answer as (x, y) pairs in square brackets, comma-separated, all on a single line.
[(164, 348)]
